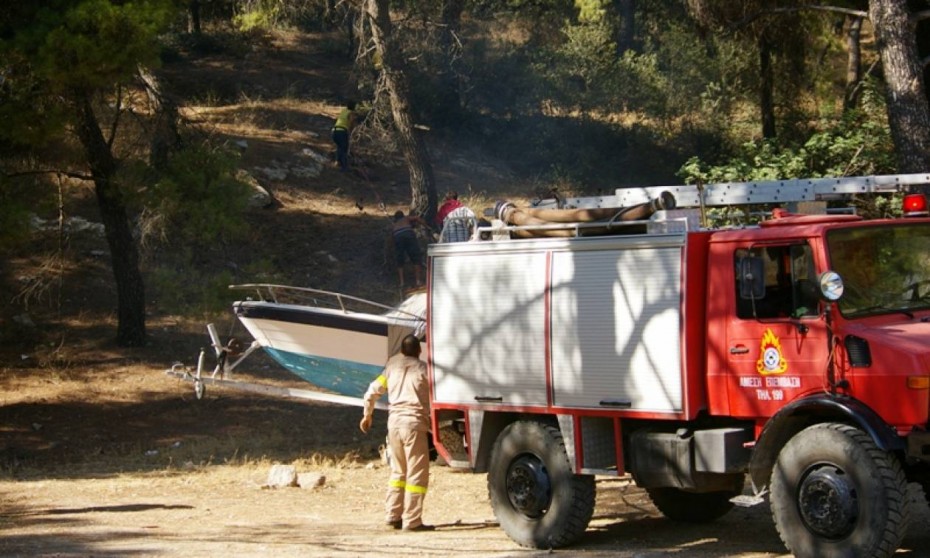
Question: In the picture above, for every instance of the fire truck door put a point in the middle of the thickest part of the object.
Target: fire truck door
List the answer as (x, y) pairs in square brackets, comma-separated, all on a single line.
[(776, 338)]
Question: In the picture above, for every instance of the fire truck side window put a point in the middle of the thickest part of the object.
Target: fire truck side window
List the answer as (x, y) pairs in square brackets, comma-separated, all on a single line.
[(789, 279)]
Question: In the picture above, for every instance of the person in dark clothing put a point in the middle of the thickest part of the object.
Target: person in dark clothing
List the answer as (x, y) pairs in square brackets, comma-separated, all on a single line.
[(407, 246)]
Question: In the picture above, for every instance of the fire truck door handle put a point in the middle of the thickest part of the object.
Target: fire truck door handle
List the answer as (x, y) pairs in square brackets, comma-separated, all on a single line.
[(739, 350), (616, 403), (481, 398)]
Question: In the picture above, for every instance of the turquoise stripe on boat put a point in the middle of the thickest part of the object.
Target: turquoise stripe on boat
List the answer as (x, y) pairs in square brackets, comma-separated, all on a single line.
[(344, 377)]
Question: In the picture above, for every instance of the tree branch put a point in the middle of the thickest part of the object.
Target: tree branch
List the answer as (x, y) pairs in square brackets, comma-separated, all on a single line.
[(772, 11), (69, 174), (859, 84), (921, 15)]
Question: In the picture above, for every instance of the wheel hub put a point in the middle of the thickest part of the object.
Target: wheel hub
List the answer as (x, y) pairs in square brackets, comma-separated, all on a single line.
[(528, 486), (828, 502)]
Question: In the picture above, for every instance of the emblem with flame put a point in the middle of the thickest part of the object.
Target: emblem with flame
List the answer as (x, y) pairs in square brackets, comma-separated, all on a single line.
[(771, 361)]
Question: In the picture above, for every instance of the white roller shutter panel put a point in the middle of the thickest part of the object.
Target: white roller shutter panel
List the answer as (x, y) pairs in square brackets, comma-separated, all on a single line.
[(616, 328), (487, 327)]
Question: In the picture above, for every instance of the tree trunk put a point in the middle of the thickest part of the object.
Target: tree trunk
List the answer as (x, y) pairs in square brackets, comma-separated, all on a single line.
[(923, 48), (449, 98), (422, 184), (853, 63), (626, 34), (908, 113), (124, 255), (766, 88), (165, 135), (193, 17)]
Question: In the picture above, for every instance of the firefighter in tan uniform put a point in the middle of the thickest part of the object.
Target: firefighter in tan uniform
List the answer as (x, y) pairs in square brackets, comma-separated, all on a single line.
[(404, 379)]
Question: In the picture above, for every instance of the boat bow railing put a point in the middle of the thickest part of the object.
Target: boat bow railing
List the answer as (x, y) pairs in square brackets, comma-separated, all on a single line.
[(306, 296)]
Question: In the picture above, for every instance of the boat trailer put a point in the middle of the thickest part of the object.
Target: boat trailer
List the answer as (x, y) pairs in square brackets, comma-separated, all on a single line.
[(222, 375)]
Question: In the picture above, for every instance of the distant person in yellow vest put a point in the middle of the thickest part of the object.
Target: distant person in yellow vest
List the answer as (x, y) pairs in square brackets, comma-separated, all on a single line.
[(342, 129), (405, 381)]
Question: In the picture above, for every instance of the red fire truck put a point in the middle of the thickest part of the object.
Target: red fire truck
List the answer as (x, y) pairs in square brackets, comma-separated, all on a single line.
[(716, 366)]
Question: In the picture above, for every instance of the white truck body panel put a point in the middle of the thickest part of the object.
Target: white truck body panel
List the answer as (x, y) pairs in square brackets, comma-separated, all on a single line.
[(488, 328), (575, 323), (616, 328)]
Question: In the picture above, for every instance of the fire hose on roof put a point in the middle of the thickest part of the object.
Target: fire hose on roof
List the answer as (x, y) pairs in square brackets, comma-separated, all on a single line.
[(546, 218)]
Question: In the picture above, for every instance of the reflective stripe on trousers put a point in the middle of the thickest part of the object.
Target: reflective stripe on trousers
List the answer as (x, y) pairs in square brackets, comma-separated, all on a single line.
[(409, 475), (408, 487)]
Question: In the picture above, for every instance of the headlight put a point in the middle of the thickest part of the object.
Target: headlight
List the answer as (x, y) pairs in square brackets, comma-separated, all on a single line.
[(831, 285)]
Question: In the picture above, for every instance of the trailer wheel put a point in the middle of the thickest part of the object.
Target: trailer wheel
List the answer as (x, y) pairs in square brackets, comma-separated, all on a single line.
[(836, 494), (536, 498), (692, 507)]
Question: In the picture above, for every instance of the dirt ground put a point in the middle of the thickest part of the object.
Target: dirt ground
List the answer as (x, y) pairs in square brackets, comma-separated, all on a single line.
[(103, 454), (118, 459)]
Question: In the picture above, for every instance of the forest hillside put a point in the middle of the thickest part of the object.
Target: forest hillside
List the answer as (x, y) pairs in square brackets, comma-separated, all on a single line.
[(154, 156)]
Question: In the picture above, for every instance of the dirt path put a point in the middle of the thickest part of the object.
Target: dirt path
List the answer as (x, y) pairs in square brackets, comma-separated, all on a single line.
[(148, 471)]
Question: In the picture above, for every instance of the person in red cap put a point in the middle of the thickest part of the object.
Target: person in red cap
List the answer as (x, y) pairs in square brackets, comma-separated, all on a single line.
[(455, 221)]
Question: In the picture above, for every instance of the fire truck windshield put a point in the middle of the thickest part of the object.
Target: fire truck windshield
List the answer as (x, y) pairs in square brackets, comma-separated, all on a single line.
[(885, 268)]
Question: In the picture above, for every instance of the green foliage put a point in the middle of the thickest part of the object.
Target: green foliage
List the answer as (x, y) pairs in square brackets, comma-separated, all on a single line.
[(55, 50), (52, 50), (857, 144), (851, 150), (223, 41), (196, 208), (198, 200), (703, 79), (532, 9), (28, 119), (190, 290), (265, 15), (685, 90), (635, 111), (260, 15), (592, 11), (93, 44), (505, 79), (184, 289), (584, 66)]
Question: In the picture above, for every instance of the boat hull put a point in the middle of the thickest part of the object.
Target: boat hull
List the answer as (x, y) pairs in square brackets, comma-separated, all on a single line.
[(344, 377), (331, 349)]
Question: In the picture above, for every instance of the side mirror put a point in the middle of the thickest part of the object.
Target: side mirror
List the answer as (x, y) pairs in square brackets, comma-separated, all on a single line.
[(751, 278), (831, 286)]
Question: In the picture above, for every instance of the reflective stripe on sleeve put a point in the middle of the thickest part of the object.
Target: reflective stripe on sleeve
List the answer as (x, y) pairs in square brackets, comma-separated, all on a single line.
[(382, 380)]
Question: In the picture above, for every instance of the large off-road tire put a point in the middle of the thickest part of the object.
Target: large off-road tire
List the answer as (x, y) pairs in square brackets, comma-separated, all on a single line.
[(536, 498), (692, 507), (835, 494)]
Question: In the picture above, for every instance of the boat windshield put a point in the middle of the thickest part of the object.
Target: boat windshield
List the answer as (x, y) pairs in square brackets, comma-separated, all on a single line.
[(885, 269)]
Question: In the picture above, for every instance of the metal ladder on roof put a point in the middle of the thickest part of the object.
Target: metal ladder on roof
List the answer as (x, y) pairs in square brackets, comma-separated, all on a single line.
[(743, 193)]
